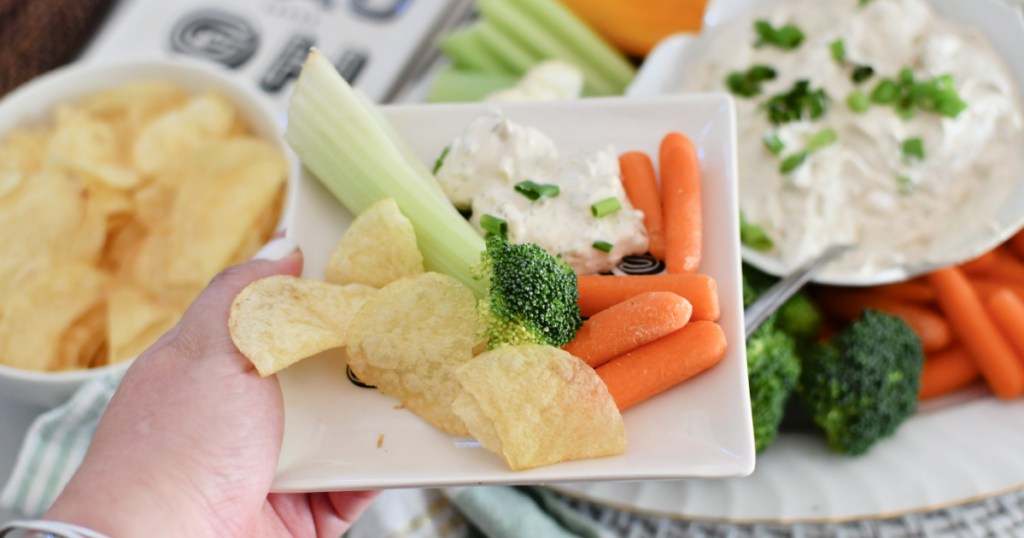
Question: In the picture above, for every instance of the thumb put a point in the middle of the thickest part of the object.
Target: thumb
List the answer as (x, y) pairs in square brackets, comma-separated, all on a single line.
[(205, 323)]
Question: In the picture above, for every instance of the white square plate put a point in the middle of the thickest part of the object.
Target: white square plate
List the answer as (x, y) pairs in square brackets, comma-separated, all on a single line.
[(340, 436)]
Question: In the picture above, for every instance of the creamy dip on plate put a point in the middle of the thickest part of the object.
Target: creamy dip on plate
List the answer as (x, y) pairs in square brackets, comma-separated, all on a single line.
[(905, 183), (483, 165)]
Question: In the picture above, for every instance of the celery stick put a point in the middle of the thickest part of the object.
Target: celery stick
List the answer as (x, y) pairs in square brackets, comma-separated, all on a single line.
[(456, 85), (512, 21), (344, 146), (506, 50), (466, 49), (403, 147), (587, 44)]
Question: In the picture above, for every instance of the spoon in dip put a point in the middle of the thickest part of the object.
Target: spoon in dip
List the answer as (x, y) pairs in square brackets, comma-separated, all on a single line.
[(776, 295)]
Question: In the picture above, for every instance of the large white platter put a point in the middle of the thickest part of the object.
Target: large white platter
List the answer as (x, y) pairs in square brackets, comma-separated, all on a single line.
[(340, 436), (966, 447)]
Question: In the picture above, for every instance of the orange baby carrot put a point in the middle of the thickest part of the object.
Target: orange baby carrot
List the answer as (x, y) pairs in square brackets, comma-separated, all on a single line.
[(986, 287), (914, 291), (642, 188), (680, 188), (663, 363), (1007, 311), (848, 304), (1005, 266), (598, 292), (997, 361), (1016, 243), (628, 325), (946, 372), (979, 265)]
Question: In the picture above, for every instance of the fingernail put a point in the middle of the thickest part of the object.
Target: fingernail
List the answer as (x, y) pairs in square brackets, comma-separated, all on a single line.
[(278, 249)]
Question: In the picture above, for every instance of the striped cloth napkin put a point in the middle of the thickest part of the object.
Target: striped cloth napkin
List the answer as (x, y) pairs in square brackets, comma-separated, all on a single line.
[(56, 443)]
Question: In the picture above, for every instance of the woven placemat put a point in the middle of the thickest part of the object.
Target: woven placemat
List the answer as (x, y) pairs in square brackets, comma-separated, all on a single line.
[(1001, 516), (37, 36)]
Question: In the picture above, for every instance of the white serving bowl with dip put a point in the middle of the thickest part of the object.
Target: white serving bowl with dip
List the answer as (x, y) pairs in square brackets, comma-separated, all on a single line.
[(982, 217), (35, 102)]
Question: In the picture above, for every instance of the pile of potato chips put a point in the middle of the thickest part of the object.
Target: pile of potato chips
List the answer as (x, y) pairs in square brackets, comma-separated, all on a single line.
[(116, 211), (417, 336)]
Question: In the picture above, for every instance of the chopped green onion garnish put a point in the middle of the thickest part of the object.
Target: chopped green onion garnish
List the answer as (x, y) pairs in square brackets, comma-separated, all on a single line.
[(838, 48), (800, 102), (913, 149), (494, 225), (603, 246), (773, 143), (793, 162), (858, 102), (886, 92), (754, 236), (821, 139), (748, 83), (862, 73), (605, 207), (906, 76), (786, 37), (536, 191), (440, 159), (904, 185)]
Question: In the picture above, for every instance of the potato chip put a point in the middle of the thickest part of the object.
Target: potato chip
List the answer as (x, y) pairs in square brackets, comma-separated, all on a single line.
[(280, 320), (24, 150), (537, 405), (84, 340), (172, 136), (89, 148), (134, 321), (410, 337), (139, 101), (233, 182), (379, 247), (156, 189), (40, 310), (39, 223)]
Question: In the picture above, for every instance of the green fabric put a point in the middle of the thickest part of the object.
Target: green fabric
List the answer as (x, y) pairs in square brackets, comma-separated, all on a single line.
[(515, 512)]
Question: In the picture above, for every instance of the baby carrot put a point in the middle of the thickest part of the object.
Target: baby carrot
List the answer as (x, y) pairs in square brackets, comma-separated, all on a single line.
[(979, 265), (680, 187), (1005, 266), (642, 189), (1008, 312), (986, 287), (663, 363), (1016, 243), (848, 304), (997, 361), (628, 325), (946, 372), (914, 291), (598, 292)]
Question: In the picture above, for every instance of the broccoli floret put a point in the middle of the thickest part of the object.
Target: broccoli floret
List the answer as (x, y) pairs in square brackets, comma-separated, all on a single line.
[(800, 317), (863, 384), (773, 369), (532, 296)]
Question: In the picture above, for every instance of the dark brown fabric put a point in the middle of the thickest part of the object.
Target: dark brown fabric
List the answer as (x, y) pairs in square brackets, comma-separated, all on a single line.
[(39, 35)]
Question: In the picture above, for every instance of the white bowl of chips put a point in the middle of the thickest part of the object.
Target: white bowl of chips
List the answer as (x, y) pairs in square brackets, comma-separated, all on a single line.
[(124, 187)]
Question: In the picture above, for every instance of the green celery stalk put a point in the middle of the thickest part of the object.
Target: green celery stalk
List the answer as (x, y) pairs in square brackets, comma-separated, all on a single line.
[(513, 21), (588, 45), (509, 52), (458, 85), (466, 49), (421, 170), (343, 144)]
